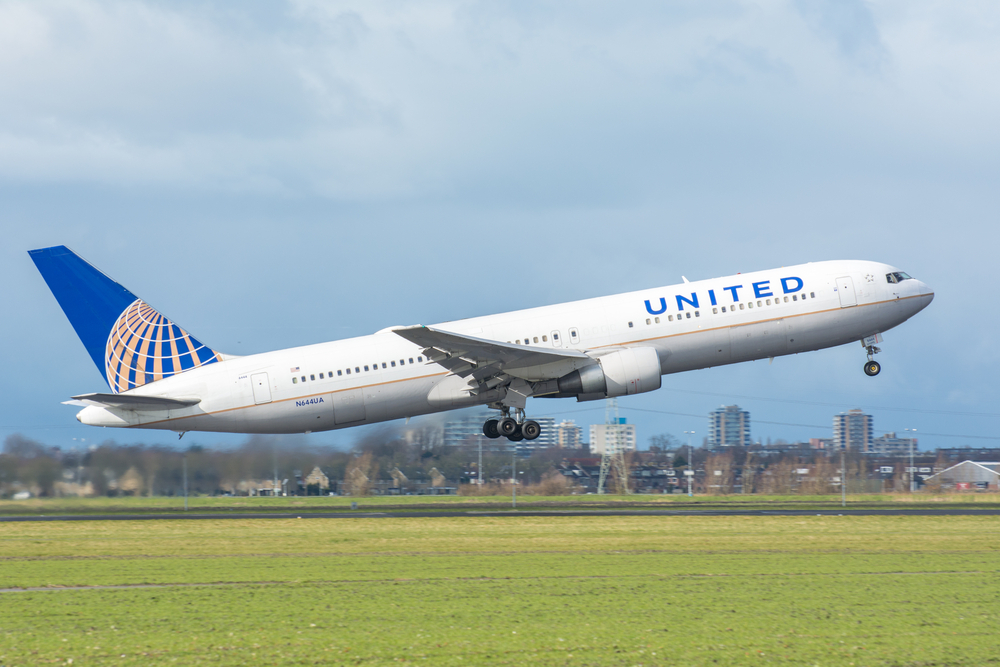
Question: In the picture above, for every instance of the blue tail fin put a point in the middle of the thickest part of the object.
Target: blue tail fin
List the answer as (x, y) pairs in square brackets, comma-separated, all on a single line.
[(130, 342)]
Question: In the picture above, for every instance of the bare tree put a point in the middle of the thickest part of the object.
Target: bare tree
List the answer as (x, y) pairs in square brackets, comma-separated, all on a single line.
[(360, 474), (719, 473)]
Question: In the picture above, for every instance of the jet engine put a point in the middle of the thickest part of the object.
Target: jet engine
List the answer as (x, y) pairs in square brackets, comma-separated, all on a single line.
[(622, 373)]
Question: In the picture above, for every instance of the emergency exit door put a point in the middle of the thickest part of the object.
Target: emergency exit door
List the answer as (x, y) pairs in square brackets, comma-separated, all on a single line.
[(261, 389)]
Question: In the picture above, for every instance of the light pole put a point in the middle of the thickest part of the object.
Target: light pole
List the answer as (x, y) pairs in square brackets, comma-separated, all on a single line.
[(690, 463), (913, 485), (185, 459), (513, 475), (843, 476)]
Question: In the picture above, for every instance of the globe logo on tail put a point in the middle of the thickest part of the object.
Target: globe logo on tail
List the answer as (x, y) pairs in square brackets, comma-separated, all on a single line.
[(144, 346)]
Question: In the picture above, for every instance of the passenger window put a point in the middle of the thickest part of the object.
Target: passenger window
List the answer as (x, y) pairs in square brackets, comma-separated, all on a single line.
[(759, 304), (769, 302), (795, 297), (750, 304), (670, 318), (357, 369), (411, 360), (647, 321), (312, 377), (295, 380), (812, 295), (656, 319), (303, 378), (341, 373), (697, 313), (574, 336), (320, 376), (420, 359), (688, 315), (741, 306), (348, 371), (545, 339), (786, 299), (715, 311), (366, 369), (555, 336), (723, 309), (393, 364), (383, 364), (535, 339), (402, 362), (629, 325)]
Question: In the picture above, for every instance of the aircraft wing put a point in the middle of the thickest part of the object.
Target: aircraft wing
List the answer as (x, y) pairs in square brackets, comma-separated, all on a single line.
[(133, 402), (482, 358)]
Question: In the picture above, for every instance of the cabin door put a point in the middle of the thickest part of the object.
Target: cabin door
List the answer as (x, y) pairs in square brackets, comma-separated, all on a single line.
[(845, 288), (261, 389)]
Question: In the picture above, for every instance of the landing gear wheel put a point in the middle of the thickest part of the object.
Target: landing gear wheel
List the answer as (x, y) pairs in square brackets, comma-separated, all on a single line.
[(872, 368), (530, 430), (507, 427), (490, 429), (517, 435)]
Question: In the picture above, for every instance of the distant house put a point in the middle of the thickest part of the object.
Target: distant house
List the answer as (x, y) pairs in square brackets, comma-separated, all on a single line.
[(317, 480), (968, 476)]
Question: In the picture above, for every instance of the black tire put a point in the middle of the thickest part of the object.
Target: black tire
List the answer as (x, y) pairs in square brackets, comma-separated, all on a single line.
[(872, 368), (516, 436), (530, 430), (507, 426), (490, 429)]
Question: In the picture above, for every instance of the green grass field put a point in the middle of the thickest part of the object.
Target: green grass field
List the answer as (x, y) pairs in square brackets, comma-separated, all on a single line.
[(231, 505), (520, 590)]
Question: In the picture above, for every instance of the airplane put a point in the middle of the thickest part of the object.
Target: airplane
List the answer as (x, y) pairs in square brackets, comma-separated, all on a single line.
[(161, 377)]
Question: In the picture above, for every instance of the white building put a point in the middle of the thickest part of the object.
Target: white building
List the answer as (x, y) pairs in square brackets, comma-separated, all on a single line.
[(599, 436), (569, 435)]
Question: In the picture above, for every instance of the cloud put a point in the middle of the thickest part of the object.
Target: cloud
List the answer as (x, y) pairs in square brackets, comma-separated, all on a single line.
[(850, 25), (363, 100)]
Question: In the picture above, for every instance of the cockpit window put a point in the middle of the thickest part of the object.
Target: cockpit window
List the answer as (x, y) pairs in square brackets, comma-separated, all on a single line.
[(897, 277)]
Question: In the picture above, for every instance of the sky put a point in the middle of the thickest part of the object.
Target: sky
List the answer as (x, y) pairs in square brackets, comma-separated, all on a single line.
[(273, 174)]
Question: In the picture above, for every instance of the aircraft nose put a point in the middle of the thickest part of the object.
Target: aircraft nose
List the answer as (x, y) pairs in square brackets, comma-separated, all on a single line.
[(925, 290)]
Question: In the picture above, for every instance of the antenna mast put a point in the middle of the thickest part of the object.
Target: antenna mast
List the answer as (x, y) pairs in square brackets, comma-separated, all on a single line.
[(613, 458)]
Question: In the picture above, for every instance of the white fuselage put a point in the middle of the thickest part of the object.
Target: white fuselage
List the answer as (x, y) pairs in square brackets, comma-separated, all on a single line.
[(691, 325)]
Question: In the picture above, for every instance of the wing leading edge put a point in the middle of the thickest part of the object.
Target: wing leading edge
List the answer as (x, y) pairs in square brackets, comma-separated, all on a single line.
[(483, 359)]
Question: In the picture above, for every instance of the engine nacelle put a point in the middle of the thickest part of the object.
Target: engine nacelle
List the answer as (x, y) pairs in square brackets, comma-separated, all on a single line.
[(622, 373)]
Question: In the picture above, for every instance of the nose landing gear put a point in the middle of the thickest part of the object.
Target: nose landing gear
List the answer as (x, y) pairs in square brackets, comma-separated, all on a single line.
[(872, 367), (514, 429)]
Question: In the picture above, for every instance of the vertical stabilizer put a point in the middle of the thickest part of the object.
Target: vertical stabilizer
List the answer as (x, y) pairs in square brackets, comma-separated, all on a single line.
[(131, 343)]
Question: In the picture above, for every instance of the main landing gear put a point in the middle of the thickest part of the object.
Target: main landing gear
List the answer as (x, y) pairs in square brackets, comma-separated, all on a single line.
[(872, 367), (515, 428)]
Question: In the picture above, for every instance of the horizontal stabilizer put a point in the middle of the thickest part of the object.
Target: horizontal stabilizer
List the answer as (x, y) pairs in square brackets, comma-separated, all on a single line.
[(132, 402)]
